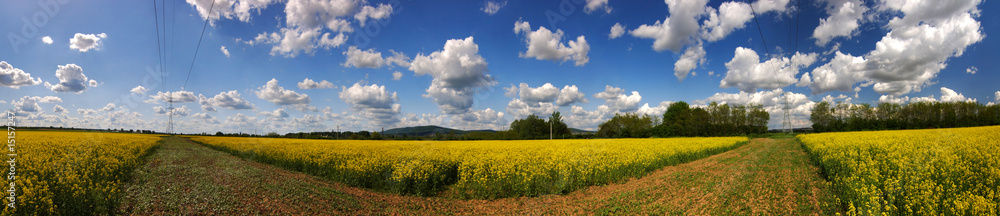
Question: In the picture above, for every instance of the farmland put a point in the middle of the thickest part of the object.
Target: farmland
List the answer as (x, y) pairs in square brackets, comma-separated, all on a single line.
[(912, 172), (74, 172), (475, 169)]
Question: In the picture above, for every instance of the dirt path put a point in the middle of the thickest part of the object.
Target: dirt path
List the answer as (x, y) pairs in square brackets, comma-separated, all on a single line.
[(764, 177)]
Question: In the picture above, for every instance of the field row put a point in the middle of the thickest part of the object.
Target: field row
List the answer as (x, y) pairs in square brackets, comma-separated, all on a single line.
[(476, 169), (912, 172), (73, 173)]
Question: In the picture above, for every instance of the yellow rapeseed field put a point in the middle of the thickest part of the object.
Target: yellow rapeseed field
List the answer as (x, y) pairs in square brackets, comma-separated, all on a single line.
[(73, 173), (482, 169), (912, 172)]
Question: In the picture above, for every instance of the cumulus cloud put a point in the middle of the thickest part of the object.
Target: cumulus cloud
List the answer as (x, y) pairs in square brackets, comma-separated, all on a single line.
[(971, 70), (913, 52), (616, 99), (276, 114), (108, 108), (746, 72), (480, 119), (493, 7), (279, 95), (676, 30), (376, 103), (368, 12), (948, 95), (176, 97), (521, 109), (71, 79), (15, 78), (310, 84), (92, 83), (58, 109), (204, 118), (693, 56), (656, 111), (240, 10), (85, 42), (616, 31), (570, 94), (373, 59), (228, 100), (92, 111), (844, 18), (397, 75), (731, 16), (893, 99), (839, 74), (47, 40), (177, 111), (996, 96), (593, 5), (547, 45), (459, 72), (224, 51), (30, 103), (139, 90), (363, 58)]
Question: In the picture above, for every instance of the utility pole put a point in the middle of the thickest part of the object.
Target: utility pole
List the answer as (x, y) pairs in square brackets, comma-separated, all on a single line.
[(550, 128)]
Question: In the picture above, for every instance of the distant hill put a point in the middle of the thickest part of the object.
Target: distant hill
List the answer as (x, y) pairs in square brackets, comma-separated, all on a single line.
[(579, 131), (427, 130)]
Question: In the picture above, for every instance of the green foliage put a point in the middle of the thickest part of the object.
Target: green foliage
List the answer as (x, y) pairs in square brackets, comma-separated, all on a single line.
[(887, 116), (715, 120), (630, 125)]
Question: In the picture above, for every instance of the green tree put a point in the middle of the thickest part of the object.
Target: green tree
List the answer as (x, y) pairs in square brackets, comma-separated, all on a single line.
[(558, 127)]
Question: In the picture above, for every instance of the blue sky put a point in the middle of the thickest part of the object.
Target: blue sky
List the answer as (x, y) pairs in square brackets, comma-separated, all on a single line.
[(476, 64)]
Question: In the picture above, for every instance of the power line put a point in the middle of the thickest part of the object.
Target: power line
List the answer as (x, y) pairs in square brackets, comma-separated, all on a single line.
[(758, 28), (207, 18)]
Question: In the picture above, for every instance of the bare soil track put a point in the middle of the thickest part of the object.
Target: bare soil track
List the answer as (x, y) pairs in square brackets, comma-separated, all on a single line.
[(763, 177)]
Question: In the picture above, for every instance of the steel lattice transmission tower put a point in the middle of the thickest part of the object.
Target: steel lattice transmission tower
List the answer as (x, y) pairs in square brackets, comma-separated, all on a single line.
[(170, 111), (786, 124)]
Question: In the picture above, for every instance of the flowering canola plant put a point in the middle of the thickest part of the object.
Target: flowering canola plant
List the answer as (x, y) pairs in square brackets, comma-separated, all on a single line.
[(73, 173), (480, 169), (912, 172)]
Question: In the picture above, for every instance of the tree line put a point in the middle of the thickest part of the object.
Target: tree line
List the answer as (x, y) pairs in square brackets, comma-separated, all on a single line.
[(828, 117), (680, 120)]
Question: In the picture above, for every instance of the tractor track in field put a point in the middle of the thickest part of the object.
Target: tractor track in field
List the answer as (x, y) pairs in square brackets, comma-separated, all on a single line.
[(763, 177)]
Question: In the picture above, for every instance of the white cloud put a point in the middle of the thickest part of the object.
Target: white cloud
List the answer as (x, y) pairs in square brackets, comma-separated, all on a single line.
[(397, 75), (693, 56), (30, 103), (458, 71), (204, 118), (616, 99), (616, 31), (593, 5), (480, 119), (176, 97), (139, 90), (177, 111), (376, 103), (15, 78), (92, 111), (844, 18), (279, 95), (92, 83), (676, 30), (730, 17), (307, 20), (108, 108), (656, 111), (85, 42), (240, 10), (948, 95), (228, 100), (893, 99), (996, 96), (381, 12), (546, 45), (47, 40), (224, 51), (923, 99), (971, 70), (839, 74), (301, 40), (71, 79), (746, 72), (521, 109), (276, 114), (363, 58), (493, 7), (58, 109), (912, 53), (570, 94), (310, 84)]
